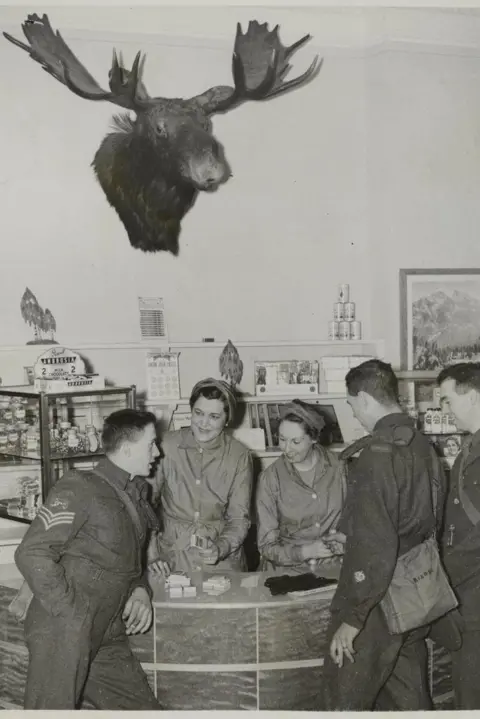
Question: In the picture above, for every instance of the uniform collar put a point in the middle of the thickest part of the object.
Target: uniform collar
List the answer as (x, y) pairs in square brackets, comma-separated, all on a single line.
[(395, 419), (115, 474), (188, 441)]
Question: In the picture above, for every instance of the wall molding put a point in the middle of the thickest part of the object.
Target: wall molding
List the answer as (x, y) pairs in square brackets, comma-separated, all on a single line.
[(352, 32)]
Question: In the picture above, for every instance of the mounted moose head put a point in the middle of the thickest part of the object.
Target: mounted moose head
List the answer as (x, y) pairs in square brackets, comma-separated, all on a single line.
[(152, 167)]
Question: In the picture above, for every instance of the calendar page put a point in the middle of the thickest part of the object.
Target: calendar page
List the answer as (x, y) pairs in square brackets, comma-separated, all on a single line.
[(163, 376)]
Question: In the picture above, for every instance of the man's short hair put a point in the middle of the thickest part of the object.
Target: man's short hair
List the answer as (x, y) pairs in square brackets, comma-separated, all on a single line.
[(125, 425), (465, 374), (376, 378)]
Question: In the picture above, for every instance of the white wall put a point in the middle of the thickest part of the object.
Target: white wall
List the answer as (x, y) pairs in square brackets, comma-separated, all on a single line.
[(370, 168), (423, 169)]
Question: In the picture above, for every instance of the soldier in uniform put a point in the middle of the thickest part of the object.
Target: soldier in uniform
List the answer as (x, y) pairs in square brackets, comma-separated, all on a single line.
[(82, 558), (388, 511), (460, 396)]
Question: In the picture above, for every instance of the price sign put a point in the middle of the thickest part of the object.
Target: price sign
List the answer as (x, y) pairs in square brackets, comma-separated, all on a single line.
[(58, 363)]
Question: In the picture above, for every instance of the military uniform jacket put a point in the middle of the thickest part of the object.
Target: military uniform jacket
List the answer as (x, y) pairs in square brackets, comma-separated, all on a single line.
[(388, 511), (84, 517), (461, 537)]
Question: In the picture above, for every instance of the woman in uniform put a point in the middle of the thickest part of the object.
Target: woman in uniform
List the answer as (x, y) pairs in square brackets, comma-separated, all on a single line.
[(299, 497), (205, 484)]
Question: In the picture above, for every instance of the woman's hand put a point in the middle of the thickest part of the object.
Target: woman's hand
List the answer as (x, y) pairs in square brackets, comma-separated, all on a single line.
[(336, 542), (316, 550), (160, 568), (210, 554)]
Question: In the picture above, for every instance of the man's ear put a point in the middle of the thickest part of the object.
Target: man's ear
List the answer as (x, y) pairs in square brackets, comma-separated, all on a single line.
[(363, 398)]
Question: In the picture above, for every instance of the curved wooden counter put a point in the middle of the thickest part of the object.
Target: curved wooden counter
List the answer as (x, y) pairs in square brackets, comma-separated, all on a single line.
[(242, 650)]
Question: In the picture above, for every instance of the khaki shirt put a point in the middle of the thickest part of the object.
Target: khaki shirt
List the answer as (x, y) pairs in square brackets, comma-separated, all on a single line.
[(204, 490), (291, 513)]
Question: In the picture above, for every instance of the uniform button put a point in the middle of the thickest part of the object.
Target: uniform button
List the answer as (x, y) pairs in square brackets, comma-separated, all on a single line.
[(456, 501), (197, 481), (314, 496), (196, 515), (317, 524), (200, 449)]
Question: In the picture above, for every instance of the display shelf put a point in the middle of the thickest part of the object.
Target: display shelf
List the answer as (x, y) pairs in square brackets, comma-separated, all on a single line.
[(44, 431), (13, 517), (53, 457)]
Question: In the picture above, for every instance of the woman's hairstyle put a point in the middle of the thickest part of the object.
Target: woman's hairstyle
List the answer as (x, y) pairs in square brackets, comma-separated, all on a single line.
[(215, 389), (125, 425), (308, 429), (306, 415)]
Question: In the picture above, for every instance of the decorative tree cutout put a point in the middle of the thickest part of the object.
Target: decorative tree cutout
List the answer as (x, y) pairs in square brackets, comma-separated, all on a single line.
[(230, 364), (41, 320)]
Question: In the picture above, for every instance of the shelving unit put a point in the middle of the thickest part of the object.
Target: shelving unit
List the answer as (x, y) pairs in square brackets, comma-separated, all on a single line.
[(28, 416)]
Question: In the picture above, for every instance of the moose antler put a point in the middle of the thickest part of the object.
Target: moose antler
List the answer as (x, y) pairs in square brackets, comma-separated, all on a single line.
[(51, 51), (259, 65)]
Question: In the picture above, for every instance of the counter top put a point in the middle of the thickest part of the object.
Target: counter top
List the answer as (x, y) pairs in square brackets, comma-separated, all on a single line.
[(238, 597)]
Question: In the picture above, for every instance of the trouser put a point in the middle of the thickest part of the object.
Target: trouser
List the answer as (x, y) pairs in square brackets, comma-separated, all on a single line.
[(465, 674), (390, 672), (84, 652)]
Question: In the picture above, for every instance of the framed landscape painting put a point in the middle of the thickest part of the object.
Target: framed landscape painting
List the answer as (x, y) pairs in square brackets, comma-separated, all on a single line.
[(439, 317)]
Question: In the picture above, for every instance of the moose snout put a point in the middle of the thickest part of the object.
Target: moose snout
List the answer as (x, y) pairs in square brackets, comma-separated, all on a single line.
[(207, 173)]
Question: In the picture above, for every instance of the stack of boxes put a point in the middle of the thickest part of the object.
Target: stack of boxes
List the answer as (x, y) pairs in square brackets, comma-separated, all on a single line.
[(216, 586), (179, 585), (344, 325), (335, 370)]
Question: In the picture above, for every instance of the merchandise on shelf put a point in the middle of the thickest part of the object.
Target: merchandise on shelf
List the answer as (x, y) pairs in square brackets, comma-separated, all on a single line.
[(345, 325)]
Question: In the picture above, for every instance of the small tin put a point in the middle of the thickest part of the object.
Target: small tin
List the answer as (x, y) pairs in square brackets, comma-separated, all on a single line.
[(344, 330), (444, 423), (427, 421), (355, 330), (451, 424), (338, 311), (350, 311), (333, 330), (343, 293), (437, 421)]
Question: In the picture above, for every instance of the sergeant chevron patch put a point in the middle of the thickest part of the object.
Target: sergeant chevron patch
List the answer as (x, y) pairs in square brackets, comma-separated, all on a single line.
[(51, 519)]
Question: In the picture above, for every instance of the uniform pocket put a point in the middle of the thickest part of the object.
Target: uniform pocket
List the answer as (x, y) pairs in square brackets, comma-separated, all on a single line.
[(110, 520)]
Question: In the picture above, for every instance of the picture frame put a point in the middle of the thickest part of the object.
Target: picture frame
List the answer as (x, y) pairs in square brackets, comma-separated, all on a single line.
[(286, 377), (439, 317)]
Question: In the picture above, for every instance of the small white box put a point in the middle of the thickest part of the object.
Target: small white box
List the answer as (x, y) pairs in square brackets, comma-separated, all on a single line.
[(189, 591), (335, 375), (336, 388), (335, 362), (178, 580), (175, 592)]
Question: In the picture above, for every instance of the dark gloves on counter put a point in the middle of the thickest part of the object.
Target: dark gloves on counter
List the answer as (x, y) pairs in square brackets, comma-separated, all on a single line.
[(299, 582)]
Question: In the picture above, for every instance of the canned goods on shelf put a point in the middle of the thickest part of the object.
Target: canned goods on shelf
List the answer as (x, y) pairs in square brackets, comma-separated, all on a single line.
[(333, 330), (338, 311), (344, 293), (344, 330), (350, 311), (356, 330)]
